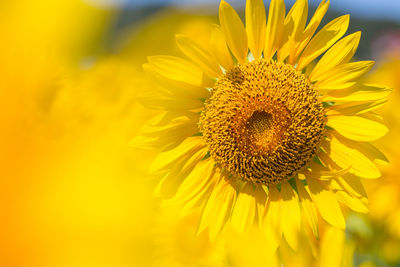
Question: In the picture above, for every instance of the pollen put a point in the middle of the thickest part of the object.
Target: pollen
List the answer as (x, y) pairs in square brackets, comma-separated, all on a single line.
[(264, 122)]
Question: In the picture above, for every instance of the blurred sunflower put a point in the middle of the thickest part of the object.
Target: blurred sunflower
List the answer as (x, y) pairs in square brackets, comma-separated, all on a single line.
[(255, 132)]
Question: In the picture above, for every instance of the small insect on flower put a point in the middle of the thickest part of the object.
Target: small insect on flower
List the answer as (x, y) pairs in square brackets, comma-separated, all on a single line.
[(255, 131)]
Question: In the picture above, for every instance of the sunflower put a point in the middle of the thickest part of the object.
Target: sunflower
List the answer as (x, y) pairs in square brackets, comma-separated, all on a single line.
[(254, 130)]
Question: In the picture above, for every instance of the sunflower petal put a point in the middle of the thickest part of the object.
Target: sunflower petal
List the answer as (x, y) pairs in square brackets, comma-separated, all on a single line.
[(355, 108), (357, 128), (374, 154), (298, 16), (167, 136), (352, 185), (327, 175), (176, 69), (163, 86), (165, 102), (218, 208), (255, 26), (169, 185), (308, 207), (261, 202), (186, 149), (198, 200), (290, 215), (351, 202), (363, 93), (219, 48), (317, 18), (193, 190), (295, 22), (198, 55), (234, 31), (332, 247), (197, 180), (275, 28), (311, 27), (245, 208), (326, 203), (340, 53), (343, 154), (344, 76), (324, 39), (272, 220)]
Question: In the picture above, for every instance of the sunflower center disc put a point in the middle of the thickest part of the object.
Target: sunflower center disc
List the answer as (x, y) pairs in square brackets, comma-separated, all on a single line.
[(263, 121)]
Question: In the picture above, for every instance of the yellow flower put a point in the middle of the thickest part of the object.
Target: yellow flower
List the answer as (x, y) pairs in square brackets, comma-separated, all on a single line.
[(255, 132)]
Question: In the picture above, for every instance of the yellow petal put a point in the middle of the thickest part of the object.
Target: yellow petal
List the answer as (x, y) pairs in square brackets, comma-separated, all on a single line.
[(245, 208), (275, 28), (326, 203), (255, 26), (343, 153), (176, 69), (311, 28), (332, 247), (197, 180), (143, 142), (168, 136), (290, 215), (322, 174), (343, 76), (219, 49), (367, 149), (317, 18), (351, 202), (177, 174), (355, 108), (297, 16), (195, 187), (261, 202), (234, 31), (357, 128), (186, 149), (308, 208), (218, 208), (272, 220), (173, 88), (365, 93), (352, 185), (174, 100), (374, 154), (324, 39), (199, 199), (295, 22), (198, 55), (340, 53)]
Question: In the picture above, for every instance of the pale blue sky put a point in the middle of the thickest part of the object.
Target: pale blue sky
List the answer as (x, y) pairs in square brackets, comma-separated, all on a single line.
[(381, 9)]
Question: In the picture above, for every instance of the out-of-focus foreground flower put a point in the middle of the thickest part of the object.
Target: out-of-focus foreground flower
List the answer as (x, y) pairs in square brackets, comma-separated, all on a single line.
[(265, 137)]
